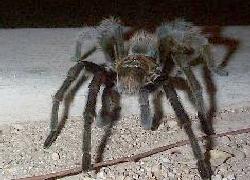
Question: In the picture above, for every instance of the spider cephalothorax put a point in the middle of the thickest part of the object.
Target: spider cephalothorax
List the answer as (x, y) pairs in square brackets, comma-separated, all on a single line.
[(138, 66), (133, 72)]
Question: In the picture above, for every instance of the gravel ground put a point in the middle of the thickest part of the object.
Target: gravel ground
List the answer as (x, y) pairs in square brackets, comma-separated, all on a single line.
[(22, 154)]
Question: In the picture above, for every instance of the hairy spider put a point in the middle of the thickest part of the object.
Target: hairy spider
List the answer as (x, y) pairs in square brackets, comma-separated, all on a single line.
[(140, 66)]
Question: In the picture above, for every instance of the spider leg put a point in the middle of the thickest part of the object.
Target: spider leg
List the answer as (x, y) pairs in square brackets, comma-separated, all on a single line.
[(110, 106), (146, 118), (58, 97), (88, 115), (158, 109), (67, 102), (109, 113), (203, 167), (194, 85), (206, 55)]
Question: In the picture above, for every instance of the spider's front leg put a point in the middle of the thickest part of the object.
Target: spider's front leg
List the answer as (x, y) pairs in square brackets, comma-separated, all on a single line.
[(71, 77), (69, 96), (203, 167), (110, 106), (88, 115), (147, 120), (108, 116), (182, 61)]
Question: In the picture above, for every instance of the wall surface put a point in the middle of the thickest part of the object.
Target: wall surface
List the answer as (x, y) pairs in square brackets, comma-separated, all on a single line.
[(34, 62)]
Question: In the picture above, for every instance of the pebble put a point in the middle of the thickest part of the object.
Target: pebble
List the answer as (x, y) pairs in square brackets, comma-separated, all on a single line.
[(246, 150), (18, 127), (172, 124), (171, 175), (166, 160), (55, 156), (101, 175), (120, 177), (157, 171), (128, 178), (217, 177), (230, 177), (218, 157)]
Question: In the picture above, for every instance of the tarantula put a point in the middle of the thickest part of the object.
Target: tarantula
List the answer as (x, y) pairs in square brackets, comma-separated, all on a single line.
[(139, 66)]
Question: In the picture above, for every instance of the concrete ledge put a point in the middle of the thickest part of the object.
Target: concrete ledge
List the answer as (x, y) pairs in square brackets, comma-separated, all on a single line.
[(34, 62)]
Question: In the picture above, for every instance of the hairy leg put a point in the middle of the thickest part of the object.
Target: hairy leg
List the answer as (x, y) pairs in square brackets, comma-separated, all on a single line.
[(88, 115), (194, 85), (71, 76), (203, 167), (146, 118), (158, 109), (110, 114), (110, 104), (67, 102)]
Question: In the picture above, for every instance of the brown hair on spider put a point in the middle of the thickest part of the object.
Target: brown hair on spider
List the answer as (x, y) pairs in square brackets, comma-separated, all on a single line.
[(136, 69)]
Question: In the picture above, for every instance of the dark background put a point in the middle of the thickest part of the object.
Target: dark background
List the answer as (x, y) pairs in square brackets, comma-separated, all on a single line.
[(75, 13)]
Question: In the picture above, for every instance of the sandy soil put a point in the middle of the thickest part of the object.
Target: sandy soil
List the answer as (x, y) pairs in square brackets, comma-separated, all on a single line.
[(22, 154)]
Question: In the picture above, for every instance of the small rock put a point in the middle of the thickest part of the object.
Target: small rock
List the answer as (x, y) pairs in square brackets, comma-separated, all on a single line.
[(230, 177), (18, 127), (101, 175), (246, 150), (172, 124), (218, 157), (217, 177), (55, 156), (128, 178), (157, 170), (166, 160), (171, 175), (120, 177), (223, 168)]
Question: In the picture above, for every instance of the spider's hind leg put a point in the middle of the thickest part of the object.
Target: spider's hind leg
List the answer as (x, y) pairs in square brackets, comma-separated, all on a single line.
[(203, 167), (196, 90)]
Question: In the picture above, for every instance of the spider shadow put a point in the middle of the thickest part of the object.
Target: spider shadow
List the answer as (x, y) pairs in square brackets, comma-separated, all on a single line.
[(216, 37)]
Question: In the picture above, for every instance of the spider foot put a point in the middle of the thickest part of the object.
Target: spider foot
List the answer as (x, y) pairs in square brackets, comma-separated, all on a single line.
[(205, 125), (86, 162), (106, 117), (157, 120), (103, 119), (147, 123), (50, 139), (204, 170)]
